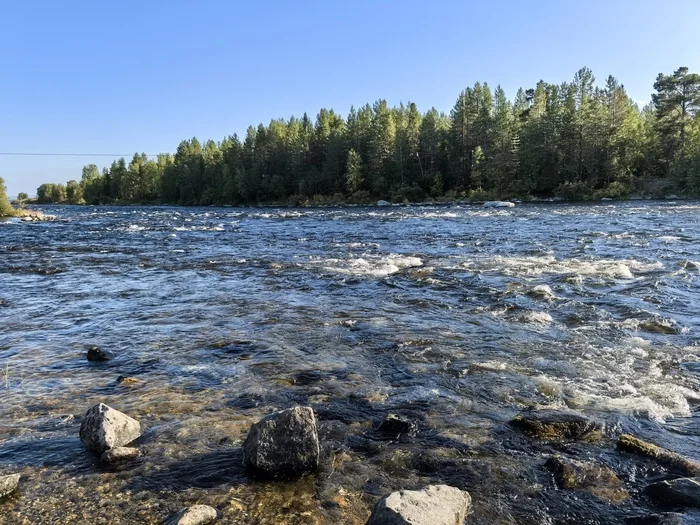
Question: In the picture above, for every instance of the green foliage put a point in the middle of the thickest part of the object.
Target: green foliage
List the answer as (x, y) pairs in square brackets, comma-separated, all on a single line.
[(6, 209), (74, 192), (51, 193), (353, 174), (576, 139), (573, 191)]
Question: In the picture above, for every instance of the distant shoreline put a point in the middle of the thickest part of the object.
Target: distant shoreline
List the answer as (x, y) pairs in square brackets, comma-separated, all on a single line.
[(466, 202)]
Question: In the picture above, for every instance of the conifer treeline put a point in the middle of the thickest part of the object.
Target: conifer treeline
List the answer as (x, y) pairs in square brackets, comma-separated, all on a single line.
[(575, 139)]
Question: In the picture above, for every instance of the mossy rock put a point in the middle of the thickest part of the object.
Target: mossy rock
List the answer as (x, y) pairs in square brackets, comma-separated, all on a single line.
[(594, 478), (667, 458), (554, 425)]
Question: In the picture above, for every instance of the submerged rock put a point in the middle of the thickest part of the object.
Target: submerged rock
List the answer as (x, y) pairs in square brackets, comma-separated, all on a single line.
[(125, 380), (542, 291), (95, 353), (434, 505), (396, 425), (283, 444), (558, 425), (120, 455), (194, 515), (667, 458), (666, 518), (681, 491), (536, 318), (104, 428), (8, 484), (383, 203), (592, 477), (499, 204)]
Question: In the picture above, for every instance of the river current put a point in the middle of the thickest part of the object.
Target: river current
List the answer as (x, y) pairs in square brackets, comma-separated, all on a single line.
[(457, 318)]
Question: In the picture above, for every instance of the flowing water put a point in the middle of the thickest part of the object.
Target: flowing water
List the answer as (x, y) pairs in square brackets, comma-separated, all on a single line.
[(455, 317)]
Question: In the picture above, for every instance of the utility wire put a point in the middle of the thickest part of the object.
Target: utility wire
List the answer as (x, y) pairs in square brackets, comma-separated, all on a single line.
[(28, 154)]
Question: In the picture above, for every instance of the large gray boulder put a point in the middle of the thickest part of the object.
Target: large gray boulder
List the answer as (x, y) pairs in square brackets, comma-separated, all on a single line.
[(681, 491), (8, 484), (383, 203), (282, 445), (194, 515), (104, 428), (434, 505)]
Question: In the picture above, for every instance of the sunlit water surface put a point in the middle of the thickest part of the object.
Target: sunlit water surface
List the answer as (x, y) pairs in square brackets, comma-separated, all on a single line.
[(225, 314)]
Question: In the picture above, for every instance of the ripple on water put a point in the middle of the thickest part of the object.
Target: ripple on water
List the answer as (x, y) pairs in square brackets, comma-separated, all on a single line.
[(453, 318)]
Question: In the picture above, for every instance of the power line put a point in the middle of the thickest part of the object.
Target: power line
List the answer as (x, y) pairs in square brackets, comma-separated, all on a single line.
[(34, 154)]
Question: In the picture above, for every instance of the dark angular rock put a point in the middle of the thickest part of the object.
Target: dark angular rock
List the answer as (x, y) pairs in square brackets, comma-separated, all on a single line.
[(396, 425), (680, 491), (667, 458), (555, 425), (97, 354), (282, 445), (104, 428), (434, 505)]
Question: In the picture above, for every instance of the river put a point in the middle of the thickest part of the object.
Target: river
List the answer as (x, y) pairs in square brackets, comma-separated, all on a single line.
[(455, 317)]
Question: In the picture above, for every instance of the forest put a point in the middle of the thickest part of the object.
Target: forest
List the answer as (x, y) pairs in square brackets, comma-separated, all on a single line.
[(576, 140)]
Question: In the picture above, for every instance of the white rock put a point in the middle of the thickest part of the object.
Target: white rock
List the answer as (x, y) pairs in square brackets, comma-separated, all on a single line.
[(8, 484), (194, 515), (120, 454), (104, 428), (383, 203), (499, 204), (434, 505)]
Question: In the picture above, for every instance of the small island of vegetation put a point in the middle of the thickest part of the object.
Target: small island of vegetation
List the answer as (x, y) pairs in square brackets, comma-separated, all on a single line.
[(573, 140)]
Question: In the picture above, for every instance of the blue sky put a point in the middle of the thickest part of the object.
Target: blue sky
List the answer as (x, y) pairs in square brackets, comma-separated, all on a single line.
[(121, 77)]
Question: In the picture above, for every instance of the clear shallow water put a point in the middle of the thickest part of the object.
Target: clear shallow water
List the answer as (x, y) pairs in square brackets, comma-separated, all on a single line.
[(225, 314)]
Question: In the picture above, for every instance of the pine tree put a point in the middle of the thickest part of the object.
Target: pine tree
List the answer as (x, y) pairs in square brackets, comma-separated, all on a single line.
[(354, 177)]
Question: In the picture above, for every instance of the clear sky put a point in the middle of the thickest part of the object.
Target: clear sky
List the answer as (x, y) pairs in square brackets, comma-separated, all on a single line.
[(127, 76)]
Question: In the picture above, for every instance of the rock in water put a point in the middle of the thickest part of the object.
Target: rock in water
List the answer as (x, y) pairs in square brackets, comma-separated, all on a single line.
[(499, 204), (681, 491), (558, 425), (664, 457), (104, 428), (666, 518), (8, 484), (592, 477), (396, 425), (434, 505), (120, 455), (194, 515), (383, 203), (97, 354), (283, 444), (542, 291)]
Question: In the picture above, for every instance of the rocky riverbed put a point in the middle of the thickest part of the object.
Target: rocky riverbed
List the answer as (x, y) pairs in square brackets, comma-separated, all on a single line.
[(541, 359)]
